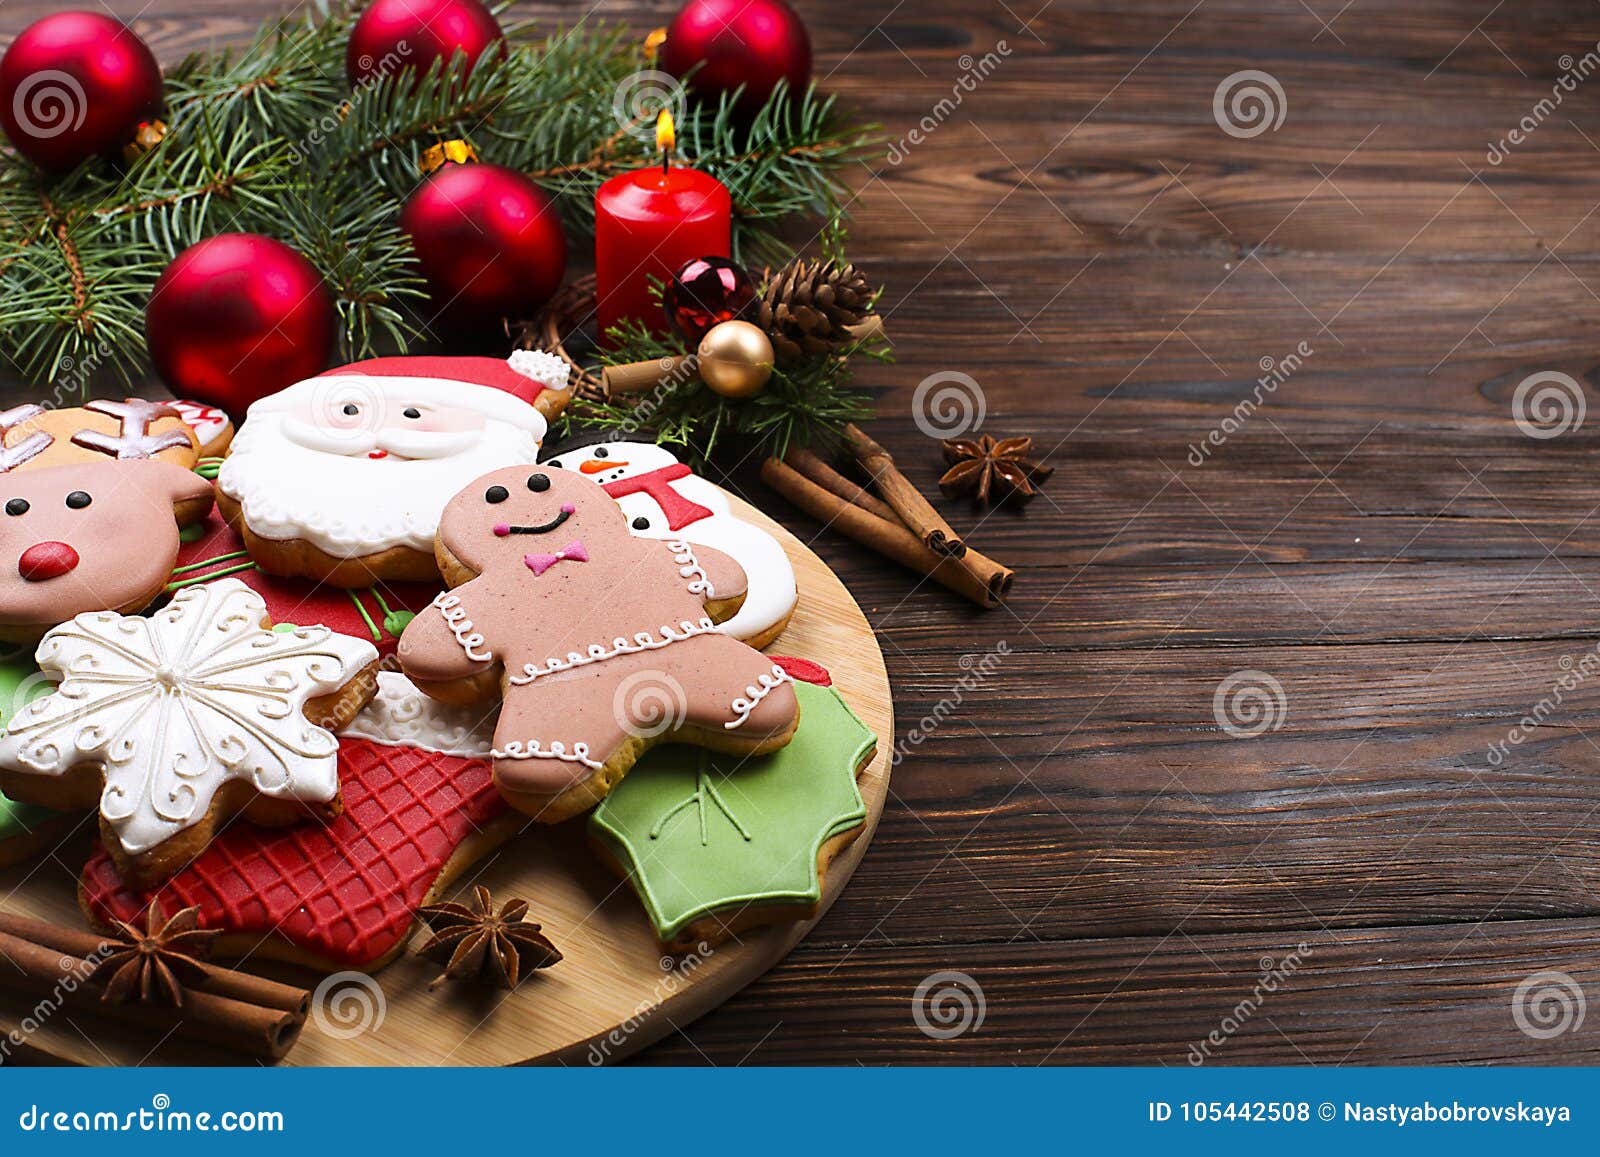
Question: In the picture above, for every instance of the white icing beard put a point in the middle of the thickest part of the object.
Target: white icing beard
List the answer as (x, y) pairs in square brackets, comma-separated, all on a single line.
[(401, 716), (348, 505)]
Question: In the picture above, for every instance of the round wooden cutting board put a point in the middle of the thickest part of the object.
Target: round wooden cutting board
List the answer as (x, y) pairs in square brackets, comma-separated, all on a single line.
[(614, 992)]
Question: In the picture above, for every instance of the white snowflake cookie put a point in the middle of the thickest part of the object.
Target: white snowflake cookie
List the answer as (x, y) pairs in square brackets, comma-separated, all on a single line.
[(180, 721)]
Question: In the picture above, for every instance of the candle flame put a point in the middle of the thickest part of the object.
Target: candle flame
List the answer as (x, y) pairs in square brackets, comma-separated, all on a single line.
[(666, 137)]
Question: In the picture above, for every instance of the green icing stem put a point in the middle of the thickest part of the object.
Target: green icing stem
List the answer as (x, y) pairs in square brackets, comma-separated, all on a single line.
[(699, 832), (20, 684)]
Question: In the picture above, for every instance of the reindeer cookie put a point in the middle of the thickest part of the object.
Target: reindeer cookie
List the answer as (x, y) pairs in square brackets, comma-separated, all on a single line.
[(98, 536), (600, 643)]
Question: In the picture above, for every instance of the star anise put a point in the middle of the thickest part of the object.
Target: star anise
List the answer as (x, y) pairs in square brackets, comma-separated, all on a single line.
[(992, 470), (153, 965), (476, 944)]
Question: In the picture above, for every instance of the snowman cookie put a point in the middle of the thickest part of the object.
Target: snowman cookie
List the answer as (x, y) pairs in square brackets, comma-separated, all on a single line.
[(662, 498), (599, 643), (98, 536), (341, 478), (178, 722)]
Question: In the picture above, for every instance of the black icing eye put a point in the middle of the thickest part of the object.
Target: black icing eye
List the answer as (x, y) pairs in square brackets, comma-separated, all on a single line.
[(78, 499), (351, 409), (496, 494), (641, 523), (412, 412), (601, 452), (17, 506), (538, 483)]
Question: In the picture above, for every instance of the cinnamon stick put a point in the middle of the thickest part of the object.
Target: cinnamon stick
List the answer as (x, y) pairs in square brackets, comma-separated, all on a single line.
[(243, 1013), (914, 510), (637, 377), (976, 577), (831, 480)]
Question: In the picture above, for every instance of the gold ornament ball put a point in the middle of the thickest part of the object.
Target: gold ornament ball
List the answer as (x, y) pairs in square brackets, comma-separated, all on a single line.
[(735, 359)]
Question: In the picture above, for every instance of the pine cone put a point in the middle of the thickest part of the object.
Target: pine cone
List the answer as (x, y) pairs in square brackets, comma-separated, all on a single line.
[(808, 307)]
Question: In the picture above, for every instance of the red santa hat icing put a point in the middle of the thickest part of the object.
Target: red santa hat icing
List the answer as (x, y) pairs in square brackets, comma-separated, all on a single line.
[(504, 390)]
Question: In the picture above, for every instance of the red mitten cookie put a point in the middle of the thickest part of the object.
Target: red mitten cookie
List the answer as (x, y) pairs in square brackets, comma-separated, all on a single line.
[(99, 536), (600, 643), (419, 808)]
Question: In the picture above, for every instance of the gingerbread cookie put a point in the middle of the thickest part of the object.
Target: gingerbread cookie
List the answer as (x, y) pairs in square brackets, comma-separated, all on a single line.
[(25, 830), (89, 537), (663, 498), (177, 722), (714, 845), (212, 550), (33, 438), (600, 643), (341, 478), (213, 429), (419, 808)]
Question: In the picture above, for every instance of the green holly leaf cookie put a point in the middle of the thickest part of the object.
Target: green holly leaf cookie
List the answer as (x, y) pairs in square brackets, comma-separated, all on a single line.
[(702, 834)]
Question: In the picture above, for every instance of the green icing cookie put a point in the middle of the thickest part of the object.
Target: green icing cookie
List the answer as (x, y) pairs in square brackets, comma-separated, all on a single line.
[(698, 832), (19, 686)]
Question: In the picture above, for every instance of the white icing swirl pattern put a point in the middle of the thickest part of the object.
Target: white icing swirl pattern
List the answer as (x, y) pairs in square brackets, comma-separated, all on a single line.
[(455, 617), (533, 749), (754, 693), (175, 705), (690, 569), (401, 716), (599, 652)]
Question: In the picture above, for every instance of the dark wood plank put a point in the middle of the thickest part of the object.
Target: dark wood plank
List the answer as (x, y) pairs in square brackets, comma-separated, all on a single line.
[(1442, 995)]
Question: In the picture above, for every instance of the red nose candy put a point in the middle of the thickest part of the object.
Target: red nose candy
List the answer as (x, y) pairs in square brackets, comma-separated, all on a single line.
[(46, 560)]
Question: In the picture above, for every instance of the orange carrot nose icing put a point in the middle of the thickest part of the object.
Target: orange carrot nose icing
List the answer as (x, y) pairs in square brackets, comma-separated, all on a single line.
[(595, 465)]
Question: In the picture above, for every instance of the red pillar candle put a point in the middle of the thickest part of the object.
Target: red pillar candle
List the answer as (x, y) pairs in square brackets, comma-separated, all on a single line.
[(648, 224)]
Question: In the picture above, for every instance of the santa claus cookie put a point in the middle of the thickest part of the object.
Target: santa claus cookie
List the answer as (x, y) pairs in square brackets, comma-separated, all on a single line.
[(96, 536), (32, 437), (419, 808), (341, 478), (600, 643), (178, 722), (662, 498)]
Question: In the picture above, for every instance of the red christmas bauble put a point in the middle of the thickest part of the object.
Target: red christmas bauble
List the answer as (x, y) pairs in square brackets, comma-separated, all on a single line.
[(76, 85), (755, 43), (706, 291), (237, 317), (489, 243), (411, 34)]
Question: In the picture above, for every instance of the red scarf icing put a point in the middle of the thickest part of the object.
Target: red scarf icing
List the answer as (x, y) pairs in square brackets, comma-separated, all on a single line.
[(345, 891), (679, 510)]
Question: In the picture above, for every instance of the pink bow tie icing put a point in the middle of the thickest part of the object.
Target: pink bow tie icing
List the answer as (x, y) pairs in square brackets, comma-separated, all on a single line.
[(573, 552)]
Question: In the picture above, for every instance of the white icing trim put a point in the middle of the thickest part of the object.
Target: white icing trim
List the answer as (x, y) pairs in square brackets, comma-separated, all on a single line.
[(533, 749), (176, 705), (689, 567), (598, 652), (744, 704), (401, 716), (455, 617), (545, 368)]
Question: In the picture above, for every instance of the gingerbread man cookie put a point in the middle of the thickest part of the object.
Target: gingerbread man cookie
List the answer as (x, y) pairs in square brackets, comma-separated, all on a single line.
[(99, 536), (600, 643), (178, 722), (32, 437), (340, 478)]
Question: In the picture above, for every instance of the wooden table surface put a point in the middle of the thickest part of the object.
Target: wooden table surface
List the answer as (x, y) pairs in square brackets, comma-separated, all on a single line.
[(1378, 570)]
